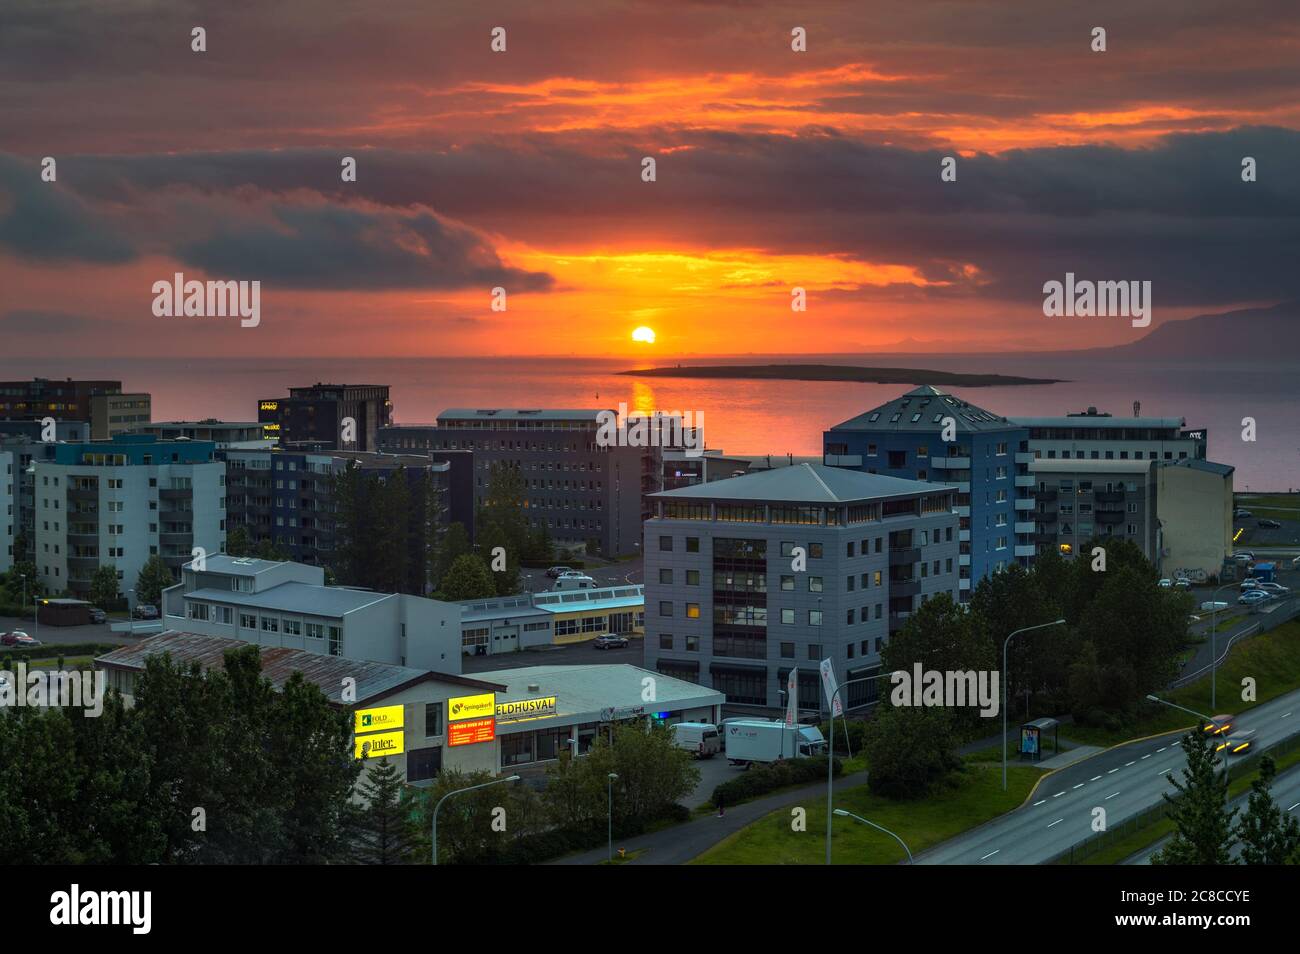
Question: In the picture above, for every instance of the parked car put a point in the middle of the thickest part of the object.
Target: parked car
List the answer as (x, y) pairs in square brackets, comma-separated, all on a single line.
[(1268, 524), (1240, 512), (1212, 606), (1183, 583), (610, 641), (97, 615), (1249, 583), (702, 738), (1254, 597), (1277, 589), (146, 611), (1166, 584), (18, 640), (555, 571), (1244, 556)]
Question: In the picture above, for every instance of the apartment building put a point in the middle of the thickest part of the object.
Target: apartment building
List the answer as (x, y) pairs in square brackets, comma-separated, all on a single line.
[(225, 434), (987, 460), (113, 414), (587, 495), (315, 416), (749, 577), (22, 439), (1097, 435), (119, 502), (287, 605), (1078, 501)]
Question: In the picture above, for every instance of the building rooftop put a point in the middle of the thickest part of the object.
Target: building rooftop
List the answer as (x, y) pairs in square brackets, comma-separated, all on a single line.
[(1223, 470), (519, 414), (590, 689), (235, 566), (296, 598), (549, 603), (922, 410), (1083, 421), (805, 483), (373, 680)]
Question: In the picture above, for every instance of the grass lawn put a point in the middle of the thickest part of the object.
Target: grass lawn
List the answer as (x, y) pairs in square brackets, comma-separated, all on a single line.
[(1116, 852), (921, 824), (1271, 659), (69, 662), (1252, 502)]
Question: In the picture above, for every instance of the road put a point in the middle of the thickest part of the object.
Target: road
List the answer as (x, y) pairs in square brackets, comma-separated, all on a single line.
[(67, 635), (1286, 793), (1124, 781)]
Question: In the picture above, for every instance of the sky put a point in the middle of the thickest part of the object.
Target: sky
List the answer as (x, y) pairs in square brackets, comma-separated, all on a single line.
[(523, 169)]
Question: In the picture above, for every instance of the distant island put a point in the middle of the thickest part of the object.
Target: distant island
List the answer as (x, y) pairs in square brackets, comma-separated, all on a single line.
[(838, 372)]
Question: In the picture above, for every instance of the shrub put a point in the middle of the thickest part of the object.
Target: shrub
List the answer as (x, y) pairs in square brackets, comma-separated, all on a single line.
[(762, 779)]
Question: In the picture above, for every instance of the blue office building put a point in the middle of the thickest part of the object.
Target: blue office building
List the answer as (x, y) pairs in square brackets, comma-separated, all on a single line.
[(985, 456)]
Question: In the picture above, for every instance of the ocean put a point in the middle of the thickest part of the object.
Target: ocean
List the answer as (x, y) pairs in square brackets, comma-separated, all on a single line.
[(748, 417)]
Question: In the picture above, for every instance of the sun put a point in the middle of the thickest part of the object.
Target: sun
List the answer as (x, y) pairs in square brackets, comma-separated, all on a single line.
[(644, 333)]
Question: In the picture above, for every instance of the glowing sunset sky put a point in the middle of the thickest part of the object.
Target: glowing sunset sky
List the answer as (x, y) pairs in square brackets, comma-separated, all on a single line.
[(522, 169)]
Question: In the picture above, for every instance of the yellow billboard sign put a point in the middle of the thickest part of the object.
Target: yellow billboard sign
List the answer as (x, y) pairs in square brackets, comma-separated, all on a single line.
[(542, 707), (377, 745), (480, 706), (378, 720)]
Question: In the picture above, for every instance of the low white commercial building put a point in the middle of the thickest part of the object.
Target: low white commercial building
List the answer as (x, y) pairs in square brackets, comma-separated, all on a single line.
[(288, 605)]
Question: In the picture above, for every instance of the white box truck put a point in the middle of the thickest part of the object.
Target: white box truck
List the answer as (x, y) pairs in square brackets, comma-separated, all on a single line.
[(761, 741)]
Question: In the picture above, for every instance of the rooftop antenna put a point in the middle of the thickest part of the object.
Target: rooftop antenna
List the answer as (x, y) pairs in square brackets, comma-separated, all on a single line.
[(1137, 408)]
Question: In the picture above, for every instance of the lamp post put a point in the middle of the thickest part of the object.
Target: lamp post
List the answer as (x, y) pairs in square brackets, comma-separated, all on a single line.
[(610, 784), (1214, 647), (1005, 643), (460, 791), (840, 811), (1206, 720), (830, 752)]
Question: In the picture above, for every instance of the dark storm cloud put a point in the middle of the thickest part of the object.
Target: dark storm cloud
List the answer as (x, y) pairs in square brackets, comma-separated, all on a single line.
[(40, 221), (1178, 214), (332, 247)]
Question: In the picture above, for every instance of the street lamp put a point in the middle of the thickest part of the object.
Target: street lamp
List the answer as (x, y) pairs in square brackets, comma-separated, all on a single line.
[(610, 784), (830, 752), (1206, 720), (1214, 650), (460, 791), (840, 811), (1005, 643)]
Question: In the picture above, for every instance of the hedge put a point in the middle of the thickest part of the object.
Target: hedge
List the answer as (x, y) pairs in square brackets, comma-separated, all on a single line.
[(762, 779), (50, 651), (545, 845)]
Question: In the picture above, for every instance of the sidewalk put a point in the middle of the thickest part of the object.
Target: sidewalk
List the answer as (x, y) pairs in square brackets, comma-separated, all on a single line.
[(681, 843)]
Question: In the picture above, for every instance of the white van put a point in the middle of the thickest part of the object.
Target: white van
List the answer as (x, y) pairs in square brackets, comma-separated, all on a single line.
[(699, 737), (573, 581)]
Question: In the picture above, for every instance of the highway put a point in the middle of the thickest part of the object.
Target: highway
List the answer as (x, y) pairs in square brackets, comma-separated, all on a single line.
[(1123, 780), (1286, 793)]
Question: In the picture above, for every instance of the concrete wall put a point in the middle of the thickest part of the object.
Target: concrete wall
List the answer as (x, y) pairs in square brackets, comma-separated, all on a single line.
[(1195, 510)]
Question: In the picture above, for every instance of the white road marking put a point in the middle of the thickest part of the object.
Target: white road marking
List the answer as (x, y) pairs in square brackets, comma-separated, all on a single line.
[(1165, 771), (1110, 796), (1147, 756), (1294, 807), (1080, 785), (1057, 822), (1041, 801), (1113, 771), (991, 853), (1127, 764), (1094, 778), (1286, 715), (1161, 750), (1058, 794)]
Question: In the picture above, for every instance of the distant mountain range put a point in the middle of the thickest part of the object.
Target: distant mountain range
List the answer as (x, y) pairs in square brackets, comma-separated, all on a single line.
[(1269, 333)]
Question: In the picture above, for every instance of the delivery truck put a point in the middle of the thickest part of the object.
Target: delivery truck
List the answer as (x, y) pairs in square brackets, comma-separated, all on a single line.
[(762, 741)]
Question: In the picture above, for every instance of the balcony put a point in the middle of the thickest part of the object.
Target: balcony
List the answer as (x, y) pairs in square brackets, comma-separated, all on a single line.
[(1046, 517), (1024, 526), (950, 463), (1045, 496), (963, 536), (1025, 480), (843, 460), (1109, 496), (963, 559), (1044, 538), (84, 493), (87, 563), (897, 621), (1109, 516), (172, 493), (904, 556), (1025, 457), (1025, 503), (904, 588), (1025, 550)]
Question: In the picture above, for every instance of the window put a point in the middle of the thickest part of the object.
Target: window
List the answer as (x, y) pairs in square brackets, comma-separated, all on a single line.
[(815, 551), (692, 610), (665, 608), (692, 644), (787, 617), (423, 764), (815, 651), (849, 618), (316, 630), (665, 575), (787, 582), (665, 544), (849, 548), (247, 621), (270, 624), (292, 627), (432, 720), (692, 545), (692, 577), (787, 548), (336, 641), (814, 584), (848, 583), (665, 641), (787, 650), (814, 617)]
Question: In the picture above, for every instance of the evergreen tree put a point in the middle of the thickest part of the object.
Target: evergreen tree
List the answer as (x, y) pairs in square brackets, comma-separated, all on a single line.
[(1203, 833), (384, 833), (454, 543), (104, 585), (468, 579), (154, 577), (500, 522), (238, 542), (1269, 836)]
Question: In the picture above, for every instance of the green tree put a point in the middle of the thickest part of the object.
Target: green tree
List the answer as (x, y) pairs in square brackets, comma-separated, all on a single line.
[(154, 577), (238, 542), (1203, 830), (454, 543), (269, 549), (104, 585), (1268, 835), (384, 833), (500, 522), (468, 579), (909, 749)]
